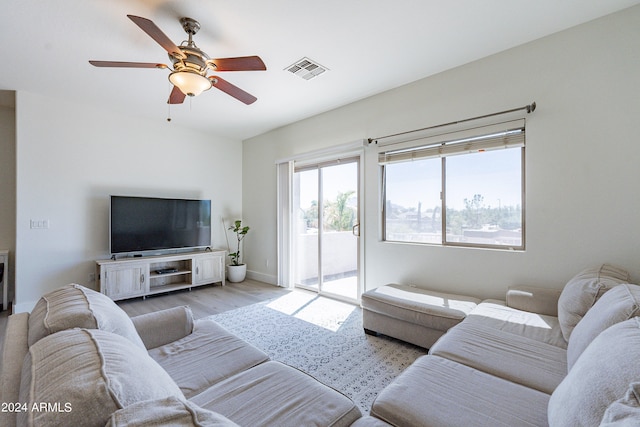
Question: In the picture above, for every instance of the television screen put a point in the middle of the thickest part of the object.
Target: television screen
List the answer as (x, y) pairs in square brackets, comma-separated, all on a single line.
[(139, 224)]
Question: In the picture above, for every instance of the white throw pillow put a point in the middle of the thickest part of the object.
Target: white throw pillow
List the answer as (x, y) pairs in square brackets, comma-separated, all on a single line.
[(87, 374), (582, 292), (616, 305), (600, 376), (74, 306)]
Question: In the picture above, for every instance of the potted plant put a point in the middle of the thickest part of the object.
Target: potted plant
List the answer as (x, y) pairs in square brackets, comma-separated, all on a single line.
[(237, 270)]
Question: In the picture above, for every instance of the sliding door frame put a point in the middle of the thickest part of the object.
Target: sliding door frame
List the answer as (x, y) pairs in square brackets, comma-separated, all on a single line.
[(285, 171), (320, 170)]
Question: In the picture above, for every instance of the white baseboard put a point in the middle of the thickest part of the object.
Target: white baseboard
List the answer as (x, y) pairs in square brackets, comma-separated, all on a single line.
[(261, 277)]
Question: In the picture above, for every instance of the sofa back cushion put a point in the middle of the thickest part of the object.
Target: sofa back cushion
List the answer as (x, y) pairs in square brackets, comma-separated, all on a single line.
[(624, 412), (600, 376), (88, 374), (74, 306), (169, 411), (583, 290), (617, 305)]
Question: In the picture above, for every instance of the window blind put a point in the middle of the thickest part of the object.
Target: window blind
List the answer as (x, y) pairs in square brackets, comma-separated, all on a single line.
[(476, 140)]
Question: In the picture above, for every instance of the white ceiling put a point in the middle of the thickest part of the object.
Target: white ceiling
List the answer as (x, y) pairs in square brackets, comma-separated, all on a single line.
[(369, 46)]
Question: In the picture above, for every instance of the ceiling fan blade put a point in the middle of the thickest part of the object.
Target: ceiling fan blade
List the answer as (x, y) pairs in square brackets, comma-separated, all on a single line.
[(122, 64), (176, 97), (233, 90), (242, 63), (156, 33)]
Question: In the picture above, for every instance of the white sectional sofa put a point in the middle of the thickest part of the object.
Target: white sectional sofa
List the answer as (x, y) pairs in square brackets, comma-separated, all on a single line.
[(78, 360), (539, 358)]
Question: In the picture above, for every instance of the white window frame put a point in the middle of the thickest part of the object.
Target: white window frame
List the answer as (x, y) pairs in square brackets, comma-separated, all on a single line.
[(506, 135)]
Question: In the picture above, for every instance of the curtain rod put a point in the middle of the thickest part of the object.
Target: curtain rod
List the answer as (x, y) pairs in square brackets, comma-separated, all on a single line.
[(529, 108)]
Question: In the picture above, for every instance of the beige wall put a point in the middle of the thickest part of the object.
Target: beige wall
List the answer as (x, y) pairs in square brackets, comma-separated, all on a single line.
[(71, 157), (581, 161)]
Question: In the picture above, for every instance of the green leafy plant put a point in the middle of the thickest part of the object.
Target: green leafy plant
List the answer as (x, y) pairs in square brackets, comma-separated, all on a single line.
[(241, 233), (339, 216)]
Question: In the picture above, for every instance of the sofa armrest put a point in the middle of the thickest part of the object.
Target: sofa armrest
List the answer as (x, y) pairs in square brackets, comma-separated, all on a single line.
[(14, 349), (533, 299), (165, 326)]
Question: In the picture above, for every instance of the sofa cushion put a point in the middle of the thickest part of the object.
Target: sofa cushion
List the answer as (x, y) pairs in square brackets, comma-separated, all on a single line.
[(438, 310), (415, 315), (504, 355), (207, 356), (435, 392), (600, 376), (90, 374), (582, 292), (74, 306), (540, 327), (169, 411), (624, 412), (534, 299), (617, 305), (369, 421), (274, 394)]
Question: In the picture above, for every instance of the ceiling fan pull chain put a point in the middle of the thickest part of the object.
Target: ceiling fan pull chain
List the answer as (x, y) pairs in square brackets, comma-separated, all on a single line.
[(169, 105)]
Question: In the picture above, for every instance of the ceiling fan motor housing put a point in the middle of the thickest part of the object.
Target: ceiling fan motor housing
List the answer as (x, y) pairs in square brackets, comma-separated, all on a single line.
[(190, 68), (195, 61)]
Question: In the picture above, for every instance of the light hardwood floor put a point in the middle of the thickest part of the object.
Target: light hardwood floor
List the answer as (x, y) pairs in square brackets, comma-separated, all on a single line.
[(203, 300), (206, 300)]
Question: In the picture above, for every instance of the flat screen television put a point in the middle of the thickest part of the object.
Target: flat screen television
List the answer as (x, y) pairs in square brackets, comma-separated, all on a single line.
[(141, 224)]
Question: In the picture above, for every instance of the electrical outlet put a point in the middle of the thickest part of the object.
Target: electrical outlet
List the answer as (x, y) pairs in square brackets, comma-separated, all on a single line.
[(39, 224), (266, 263), (92, 277)]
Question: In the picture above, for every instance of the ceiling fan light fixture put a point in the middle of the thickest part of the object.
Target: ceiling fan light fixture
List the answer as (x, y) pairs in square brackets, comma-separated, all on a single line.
[(190, 83)]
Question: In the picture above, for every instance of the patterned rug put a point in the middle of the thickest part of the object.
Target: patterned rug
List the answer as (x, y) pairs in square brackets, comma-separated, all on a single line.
[(325, 339)]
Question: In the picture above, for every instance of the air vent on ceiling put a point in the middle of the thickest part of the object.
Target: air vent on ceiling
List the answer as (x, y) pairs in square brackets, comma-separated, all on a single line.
[(306, 68)]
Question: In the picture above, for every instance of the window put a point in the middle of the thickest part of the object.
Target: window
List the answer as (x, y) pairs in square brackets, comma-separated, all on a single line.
[(465, 191)]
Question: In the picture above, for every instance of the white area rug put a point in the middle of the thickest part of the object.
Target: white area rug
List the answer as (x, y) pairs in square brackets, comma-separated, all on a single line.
[(325, 339)]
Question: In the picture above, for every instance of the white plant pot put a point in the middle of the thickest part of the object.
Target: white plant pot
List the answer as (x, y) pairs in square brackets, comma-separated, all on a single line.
[(236, 273)]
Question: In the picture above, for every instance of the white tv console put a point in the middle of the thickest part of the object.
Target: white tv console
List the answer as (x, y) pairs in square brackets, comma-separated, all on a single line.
[(141, 276)]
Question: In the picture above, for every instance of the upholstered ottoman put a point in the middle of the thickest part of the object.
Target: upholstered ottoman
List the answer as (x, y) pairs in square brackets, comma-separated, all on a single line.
[(415, 315)]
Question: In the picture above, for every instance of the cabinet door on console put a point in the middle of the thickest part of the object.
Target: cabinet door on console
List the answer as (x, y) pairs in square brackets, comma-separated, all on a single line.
[(125, 281), (209, 268)]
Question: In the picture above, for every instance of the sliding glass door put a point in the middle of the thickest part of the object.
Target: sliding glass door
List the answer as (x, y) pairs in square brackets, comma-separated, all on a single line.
[(326, 228)]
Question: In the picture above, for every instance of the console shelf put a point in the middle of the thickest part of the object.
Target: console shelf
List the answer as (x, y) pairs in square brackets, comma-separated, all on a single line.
[(135, 277), (168, 288), (153, 275)]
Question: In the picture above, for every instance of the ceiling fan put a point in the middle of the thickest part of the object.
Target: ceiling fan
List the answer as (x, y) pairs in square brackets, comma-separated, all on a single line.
[(190, 65)]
